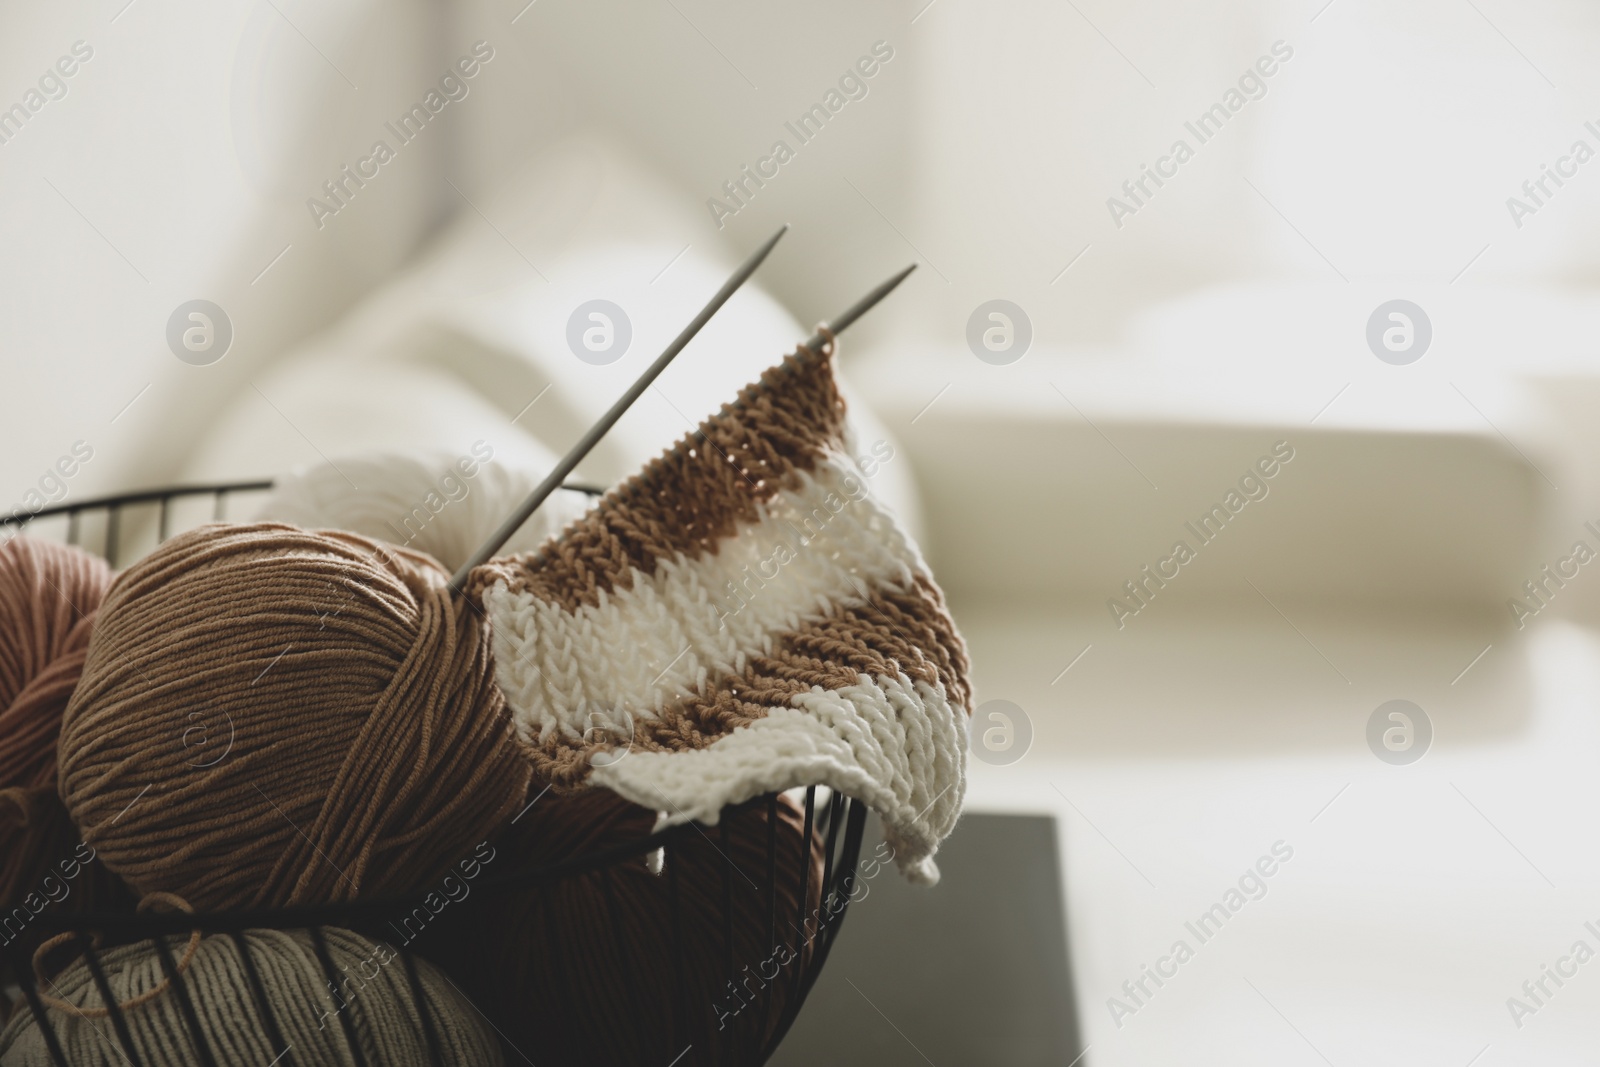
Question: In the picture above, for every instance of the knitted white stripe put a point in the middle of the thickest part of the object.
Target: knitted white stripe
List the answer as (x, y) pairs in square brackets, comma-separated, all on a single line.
[(895, 744), (667, 635)]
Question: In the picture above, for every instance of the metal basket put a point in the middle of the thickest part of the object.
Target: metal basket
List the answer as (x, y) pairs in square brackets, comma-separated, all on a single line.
[(833, 822)]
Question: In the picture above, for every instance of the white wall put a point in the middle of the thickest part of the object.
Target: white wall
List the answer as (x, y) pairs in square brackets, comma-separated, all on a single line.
[(180, 160)]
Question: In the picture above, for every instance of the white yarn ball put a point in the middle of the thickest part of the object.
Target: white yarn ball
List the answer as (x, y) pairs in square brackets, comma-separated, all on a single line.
[(430, 503)]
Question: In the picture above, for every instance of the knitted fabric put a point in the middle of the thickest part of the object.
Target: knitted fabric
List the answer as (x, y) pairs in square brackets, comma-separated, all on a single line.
[(374, 996), (741, 617)]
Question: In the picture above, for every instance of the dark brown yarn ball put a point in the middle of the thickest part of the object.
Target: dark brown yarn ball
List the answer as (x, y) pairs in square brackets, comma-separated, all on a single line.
[(49, 594), (582, 972), (272, 716)]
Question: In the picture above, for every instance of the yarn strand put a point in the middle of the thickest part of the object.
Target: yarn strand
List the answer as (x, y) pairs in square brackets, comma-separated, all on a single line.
[(41, 979), (355, 738)]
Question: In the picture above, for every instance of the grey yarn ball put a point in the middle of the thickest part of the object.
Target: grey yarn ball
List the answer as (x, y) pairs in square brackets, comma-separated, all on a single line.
[(374, 994)]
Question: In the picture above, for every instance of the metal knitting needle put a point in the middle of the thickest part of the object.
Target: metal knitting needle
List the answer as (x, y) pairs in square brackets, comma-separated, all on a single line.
[(856, 310), (575, 456), (818, 340), (843, 320)]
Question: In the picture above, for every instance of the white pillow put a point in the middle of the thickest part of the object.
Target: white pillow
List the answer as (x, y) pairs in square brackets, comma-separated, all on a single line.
[(443, 505)]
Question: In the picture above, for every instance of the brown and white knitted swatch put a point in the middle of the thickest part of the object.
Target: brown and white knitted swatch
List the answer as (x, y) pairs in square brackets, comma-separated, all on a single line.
[(741, 617)]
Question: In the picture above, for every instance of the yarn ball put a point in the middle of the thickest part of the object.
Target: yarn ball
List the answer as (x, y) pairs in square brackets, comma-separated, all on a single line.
[(436, 503), (271, 716), (582, 971), (374, 994), (49, 594)]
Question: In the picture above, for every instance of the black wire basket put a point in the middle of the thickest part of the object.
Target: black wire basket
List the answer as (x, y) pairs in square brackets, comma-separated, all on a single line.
[(833, 825)]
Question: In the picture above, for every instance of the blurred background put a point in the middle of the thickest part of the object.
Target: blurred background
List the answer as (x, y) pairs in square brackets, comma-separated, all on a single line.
[(1340, 344)]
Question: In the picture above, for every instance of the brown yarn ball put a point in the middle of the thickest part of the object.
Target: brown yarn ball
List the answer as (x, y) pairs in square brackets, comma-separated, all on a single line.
[(582, 972), (272, 716), (49, 594)]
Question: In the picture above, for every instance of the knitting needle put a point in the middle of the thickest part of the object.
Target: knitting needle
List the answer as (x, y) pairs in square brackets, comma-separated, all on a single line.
[(833, 329), (839, 324), (609, 419), (856, 310)]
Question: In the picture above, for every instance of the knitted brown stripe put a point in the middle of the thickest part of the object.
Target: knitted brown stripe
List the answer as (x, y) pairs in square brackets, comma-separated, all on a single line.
[(695, 494), (893, 631)]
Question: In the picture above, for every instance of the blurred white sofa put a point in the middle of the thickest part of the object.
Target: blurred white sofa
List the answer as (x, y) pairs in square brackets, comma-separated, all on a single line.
[(469, 345)]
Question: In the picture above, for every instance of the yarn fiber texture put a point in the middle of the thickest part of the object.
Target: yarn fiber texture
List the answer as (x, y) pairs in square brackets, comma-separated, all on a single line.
[(374, 993), (781, 629), (582, 972), (49, 594), (271, 716)]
